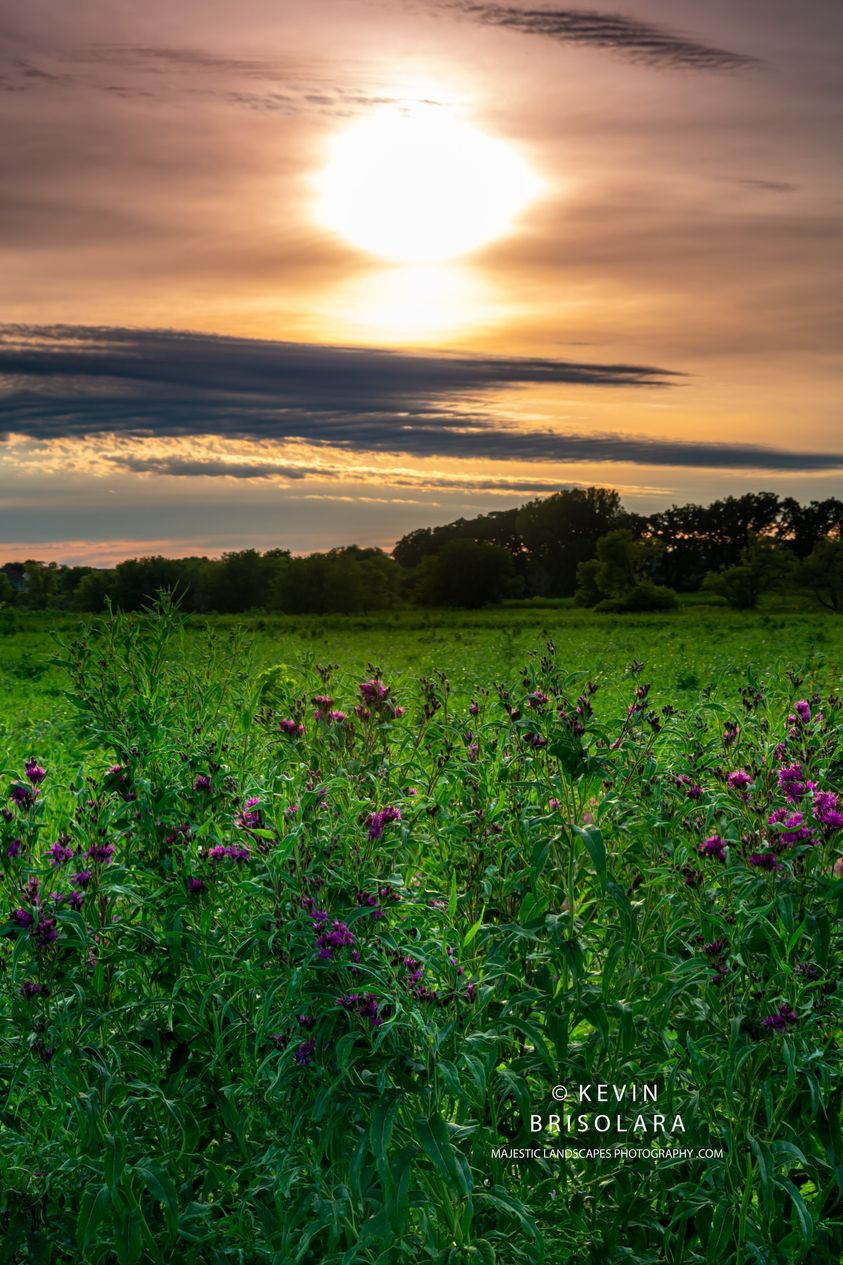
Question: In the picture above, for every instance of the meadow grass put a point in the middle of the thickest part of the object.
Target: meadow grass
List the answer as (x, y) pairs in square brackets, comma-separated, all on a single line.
[(304, 920)]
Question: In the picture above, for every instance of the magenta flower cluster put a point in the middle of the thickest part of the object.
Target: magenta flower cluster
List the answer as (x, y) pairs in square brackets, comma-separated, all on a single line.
[(365, 1005), (378, 821)]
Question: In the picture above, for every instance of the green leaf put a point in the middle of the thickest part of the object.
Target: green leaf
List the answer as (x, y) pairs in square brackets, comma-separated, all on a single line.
[(593, 840), (806, 1223), (94, 1207), (472, 931), (432, 1133)]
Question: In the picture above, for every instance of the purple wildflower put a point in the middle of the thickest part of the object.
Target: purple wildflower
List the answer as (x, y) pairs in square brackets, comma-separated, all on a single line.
[(367, 900), (826, 810), (21, 918), (328, 940), (14, 849), (46, 932), (803, 710), (739, 780), (291, 727), (793, 828), (764, 860), (378, 821), (202, 783), (714, 846), (365, 1005), (232, 851), (791, 783), (249, 817), (59, 853), (34, 772), (373, 692), (82, 879), (22, 796), (304, 1052), (181, 834), (31, 988), (785, 1017), (196, 886), (101, 852)]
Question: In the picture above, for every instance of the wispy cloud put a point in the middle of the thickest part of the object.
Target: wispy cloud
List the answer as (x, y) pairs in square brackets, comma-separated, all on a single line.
[(640, 41), (182, 468), (166, 74), (767, 186), (71, 382)]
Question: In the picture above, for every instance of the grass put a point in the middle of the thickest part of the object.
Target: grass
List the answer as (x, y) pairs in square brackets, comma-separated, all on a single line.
[(283, 996)]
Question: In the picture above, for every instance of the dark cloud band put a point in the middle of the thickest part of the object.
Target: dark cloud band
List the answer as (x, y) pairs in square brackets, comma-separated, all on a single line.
[(640, 41), (69, 382)]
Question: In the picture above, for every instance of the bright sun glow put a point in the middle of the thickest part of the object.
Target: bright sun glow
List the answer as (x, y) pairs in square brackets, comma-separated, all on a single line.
[(412, 303), (421, 186)]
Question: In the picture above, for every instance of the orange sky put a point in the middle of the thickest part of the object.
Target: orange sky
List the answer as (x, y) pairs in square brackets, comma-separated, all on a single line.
[(160, 174)]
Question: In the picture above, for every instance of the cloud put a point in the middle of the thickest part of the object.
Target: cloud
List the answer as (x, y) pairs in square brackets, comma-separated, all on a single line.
[(179, 467), (639, 41), (165, 74), (767, 186), (81, 382)]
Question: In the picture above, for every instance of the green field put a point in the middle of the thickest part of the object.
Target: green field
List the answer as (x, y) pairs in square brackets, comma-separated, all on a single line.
[(303, 919), (698, 647)]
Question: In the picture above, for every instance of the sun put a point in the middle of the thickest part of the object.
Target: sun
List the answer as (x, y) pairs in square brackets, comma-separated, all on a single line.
[(421, 185)]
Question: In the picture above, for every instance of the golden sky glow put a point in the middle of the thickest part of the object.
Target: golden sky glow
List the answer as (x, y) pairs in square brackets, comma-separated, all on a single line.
[(652, 184)]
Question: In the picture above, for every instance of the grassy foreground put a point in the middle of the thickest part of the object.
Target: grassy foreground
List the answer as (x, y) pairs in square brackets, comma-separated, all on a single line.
[(293, 956)]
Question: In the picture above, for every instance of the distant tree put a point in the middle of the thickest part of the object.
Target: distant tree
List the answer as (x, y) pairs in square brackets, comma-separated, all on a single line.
[(342, 581), (682, 531), (617, 578), (136, 581), (764, 567), (468, 573), (414, 546), (7, 590), (497, 528), (41, 586), (822, 573), (802, 527), (732, 523), (561, 531), (242, 580), (93, 589), (697, 539), (69, 581)]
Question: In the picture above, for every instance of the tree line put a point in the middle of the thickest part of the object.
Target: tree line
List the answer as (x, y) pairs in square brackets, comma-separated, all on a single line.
[(579, 543)]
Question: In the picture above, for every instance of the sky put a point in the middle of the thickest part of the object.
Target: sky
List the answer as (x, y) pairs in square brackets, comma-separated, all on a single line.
[(234, 313)]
